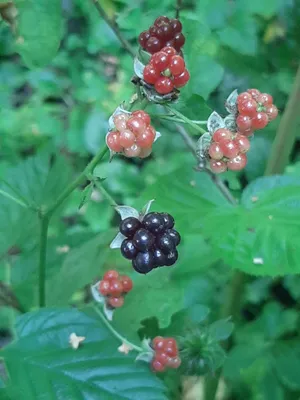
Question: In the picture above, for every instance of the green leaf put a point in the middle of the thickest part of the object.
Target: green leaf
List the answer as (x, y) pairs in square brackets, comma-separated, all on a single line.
[(286, 362), (240, 34), (80, 267), (270, 388), (155, 295), (206, 75), (38, 180), (194, 107), (39, 30), (260, 236), (265, 8), (257, 157), (183, 320), (221, 330), (239, 359), (95, 370), (187, 195)]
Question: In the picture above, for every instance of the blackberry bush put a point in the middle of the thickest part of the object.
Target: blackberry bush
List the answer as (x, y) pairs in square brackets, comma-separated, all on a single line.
[(103, 324)]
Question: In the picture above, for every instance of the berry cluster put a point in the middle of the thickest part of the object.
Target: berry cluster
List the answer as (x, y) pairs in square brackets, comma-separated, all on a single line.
[(133, 136), (114, 287), (166, 70), (166, 354), (227, 150), (255, 111), (164, 32), (150, 243)]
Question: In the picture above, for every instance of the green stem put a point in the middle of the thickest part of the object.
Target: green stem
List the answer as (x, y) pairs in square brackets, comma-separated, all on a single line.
[(178, 8), (9, 196), (81, 178), (286, 133), (185, 119), (105, 193), (114, 332), (44, 224), (231, 307), (127, 46), (216, 180), (174, 119)]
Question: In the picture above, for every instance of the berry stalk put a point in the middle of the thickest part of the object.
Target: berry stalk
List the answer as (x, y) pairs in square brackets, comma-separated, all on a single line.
[(185, 119), (114, 332), (286, 133)]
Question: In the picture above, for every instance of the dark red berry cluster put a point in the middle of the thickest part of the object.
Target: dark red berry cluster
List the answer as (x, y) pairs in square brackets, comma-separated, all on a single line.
[(150, 243), (114, 287), (255, 111), (166, 70), (133, 136), (164, 32), (227, 150), (166, 354)]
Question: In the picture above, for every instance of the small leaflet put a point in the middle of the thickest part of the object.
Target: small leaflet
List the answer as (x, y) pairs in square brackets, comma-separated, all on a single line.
[(97, 296), (116, 243), (138, 67), (109, 312), (145, 209), (127, 211), (230, 103), (230, 122), (202, 145), (214, 122)]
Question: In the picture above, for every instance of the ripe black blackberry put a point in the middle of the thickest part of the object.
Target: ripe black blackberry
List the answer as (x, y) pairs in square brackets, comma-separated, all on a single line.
[(164, 32), (150, 243)]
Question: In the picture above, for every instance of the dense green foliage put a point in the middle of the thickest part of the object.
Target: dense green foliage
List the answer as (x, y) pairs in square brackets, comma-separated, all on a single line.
[(62, 74)]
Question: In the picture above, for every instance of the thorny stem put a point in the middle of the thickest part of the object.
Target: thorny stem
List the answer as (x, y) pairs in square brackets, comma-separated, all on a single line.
[(216, 180), (106, 194), (81, 178), (45, 216), (286, 133), (114, 332), (127, 46), (178, 8)]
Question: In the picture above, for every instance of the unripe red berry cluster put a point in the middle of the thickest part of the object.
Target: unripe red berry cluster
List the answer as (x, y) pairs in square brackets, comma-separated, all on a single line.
[(255, 111), (166, 70), (166, 354), (114, 287), (227, 150), (133, 136), (164, 32)]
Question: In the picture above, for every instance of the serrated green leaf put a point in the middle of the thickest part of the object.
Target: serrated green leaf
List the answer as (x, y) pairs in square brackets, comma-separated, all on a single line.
[(39, 30), (187, 195), (80, 267), (155, 295), (38, 180), (95, 370), (260, 236), (286, 362)]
